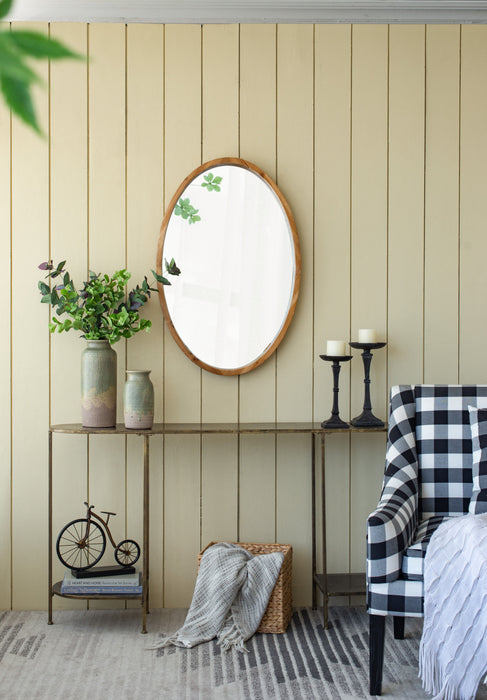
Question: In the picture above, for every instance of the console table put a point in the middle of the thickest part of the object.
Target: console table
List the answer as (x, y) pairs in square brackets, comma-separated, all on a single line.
[(329, 584)]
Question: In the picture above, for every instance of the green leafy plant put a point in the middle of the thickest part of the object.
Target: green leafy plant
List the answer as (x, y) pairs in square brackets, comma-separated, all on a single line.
[(16, 76), (101, 310), (187, 211), (212, 183)]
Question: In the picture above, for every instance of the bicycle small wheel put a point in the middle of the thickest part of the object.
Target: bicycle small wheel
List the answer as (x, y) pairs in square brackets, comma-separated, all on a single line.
[(127, 552), (77, 551)]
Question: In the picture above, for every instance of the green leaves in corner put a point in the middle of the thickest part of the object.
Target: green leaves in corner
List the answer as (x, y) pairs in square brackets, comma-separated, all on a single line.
[(16, 76), (5, 6)]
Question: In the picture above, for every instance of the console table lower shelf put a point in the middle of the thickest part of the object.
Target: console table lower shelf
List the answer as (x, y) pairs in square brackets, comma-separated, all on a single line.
[(56, 590)]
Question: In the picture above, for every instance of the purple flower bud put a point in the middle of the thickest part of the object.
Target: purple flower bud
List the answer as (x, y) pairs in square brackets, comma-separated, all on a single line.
[(45, 266)]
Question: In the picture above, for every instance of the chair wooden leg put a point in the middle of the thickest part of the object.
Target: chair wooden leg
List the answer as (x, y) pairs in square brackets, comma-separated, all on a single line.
[(399, 627), (376, 652)]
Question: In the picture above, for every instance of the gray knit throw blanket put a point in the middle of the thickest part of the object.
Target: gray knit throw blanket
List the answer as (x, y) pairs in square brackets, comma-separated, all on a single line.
[(230, 597)]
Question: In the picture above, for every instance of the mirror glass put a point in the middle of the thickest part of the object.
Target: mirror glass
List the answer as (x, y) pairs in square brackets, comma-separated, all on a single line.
[(231, 233)]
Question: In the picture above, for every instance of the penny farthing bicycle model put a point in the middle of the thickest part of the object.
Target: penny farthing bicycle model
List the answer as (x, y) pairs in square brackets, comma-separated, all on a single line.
[(82, 542)]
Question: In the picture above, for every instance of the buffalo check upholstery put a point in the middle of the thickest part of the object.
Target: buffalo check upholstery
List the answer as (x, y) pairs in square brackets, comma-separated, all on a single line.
[(478, 425), (428, 478)]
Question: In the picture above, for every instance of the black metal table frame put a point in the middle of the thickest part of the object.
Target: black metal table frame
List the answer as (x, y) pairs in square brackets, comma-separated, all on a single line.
[(329, 584)]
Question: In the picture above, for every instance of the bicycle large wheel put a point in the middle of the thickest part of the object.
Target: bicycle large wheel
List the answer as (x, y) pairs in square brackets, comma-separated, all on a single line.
[(127, 552), (77, 551)]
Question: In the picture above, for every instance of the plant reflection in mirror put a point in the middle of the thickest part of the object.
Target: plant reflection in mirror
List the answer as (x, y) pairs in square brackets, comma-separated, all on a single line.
[(171, 267), (100, 310), (185, 209), (212, 183)]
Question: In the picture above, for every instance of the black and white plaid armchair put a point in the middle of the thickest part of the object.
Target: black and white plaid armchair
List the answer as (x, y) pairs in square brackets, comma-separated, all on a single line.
[(428, 478)]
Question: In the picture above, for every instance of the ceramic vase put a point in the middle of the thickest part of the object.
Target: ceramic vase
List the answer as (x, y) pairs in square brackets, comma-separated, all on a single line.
[(138, 400), (98, 385)]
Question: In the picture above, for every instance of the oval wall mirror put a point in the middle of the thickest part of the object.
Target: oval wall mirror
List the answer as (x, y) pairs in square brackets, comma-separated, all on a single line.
[(231, 232)]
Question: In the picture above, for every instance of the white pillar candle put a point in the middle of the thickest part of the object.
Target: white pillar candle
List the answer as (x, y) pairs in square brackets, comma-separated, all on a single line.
[(335, 347), (367, 335)]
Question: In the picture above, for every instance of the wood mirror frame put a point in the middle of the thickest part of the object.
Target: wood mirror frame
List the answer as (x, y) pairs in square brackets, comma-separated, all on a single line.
[(293, 254)]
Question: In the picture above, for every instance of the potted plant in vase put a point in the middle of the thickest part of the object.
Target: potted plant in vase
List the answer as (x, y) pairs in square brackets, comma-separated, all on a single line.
[(104, 313)]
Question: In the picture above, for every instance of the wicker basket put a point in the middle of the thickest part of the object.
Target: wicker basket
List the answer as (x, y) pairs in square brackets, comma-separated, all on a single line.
[(279, 609)]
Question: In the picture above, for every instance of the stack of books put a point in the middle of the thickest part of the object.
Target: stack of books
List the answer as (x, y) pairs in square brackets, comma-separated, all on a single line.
[(119, 583)]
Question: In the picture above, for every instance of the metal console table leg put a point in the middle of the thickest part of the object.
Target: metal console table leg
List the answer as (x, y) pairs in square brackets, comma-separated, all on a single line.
[(49, 546), (145, 588), (319, 580), (323, 534)]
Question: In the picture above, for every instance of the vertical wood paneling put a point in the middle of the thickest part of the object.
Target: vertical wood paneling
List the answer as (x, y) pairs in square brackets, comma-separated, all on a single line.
[(69, 153), (473, 241), (182, 154), (336, 115), (182, 542), (30, 353), (369, 261), (258, 145), (406, 204), (441, 204), (257, 489), (295, 45), (220, 104), (107, 241), (69, 197), (5, 342), (182, 481), (145, 84), (220, 128), (258, 388), (369, 201), (69, 492), (332, 267), (295, 178)]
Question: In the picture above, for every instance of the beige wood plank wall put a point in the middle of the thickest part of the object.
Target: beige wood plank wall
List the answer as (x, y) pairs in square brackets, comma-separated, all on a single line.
[(69, 197), (30, 345), (5, 346), (376, 136)]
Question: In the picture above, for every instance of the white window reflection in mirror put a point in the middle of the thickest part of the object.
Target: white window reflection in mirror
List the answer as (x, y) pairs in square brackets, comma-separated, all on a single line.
[(233, 236)]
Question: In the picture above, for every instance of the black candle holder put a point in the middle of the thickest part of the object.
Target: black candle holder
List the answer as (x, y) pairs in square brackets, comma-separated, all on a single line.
[(367, 419), (335, 421)]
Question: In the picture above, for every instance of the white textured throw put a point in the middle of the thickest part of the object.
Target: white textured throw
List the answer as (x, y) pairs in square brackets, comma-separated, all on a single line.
[(453, 650), (230, 597)]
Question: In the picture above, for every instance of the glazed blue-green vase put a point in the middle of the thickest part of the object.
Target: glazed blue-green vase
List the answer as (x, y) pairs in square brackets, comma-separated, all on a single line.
[(138, 400), (98, 385)]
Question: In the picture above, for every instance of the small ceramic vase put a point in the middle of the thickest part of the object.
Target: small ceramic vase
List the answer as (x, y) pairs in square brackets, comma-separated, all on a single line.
[(138, 400)]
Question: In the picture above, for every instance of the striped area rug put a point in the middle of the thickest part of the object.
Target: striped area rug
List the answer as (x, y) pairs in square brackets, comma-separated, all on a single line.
[(101, 654)]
